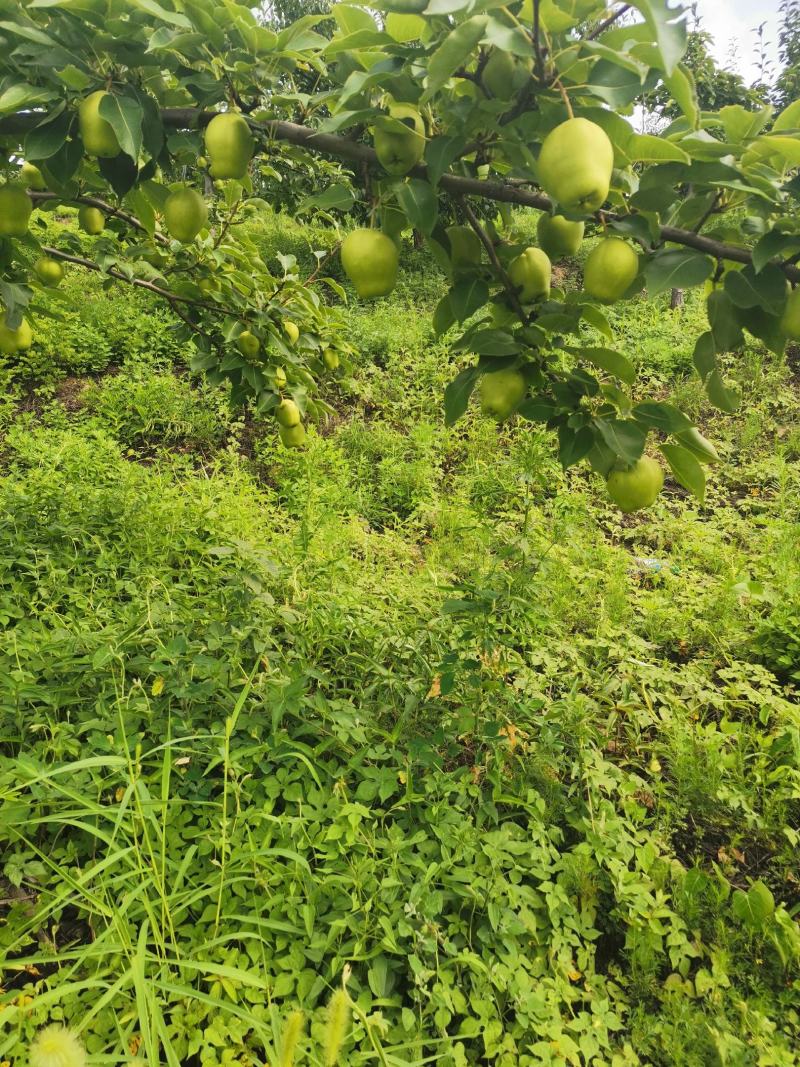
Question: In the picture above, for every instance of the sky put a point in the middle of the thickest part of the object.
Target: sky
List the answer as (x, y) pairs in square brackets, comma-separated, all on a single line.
[(730, 21)]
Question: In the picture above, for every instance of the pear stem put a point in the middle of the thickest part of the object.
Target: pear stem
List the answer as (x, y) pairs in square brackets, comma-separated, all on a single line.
[(564, 97)]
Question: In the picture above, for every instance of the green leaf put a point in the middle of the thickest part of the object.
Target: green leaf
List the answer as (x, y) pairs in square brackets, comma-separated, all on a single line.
[(677, 269), (755, 907), (788, 119), (772, 245), (538, 408), (172, 18), (351, 19), (44, 140), (608, 360), (766, 290), (725, 328), (661, 416), (20, 96), (682, 89), (337, 197), (493, 343), (720, 395), (507, 38), (467, 296), (457, 394), (418, 202), (741, 125), (595, 318), (668, 26), (698, 445), (573, 445), (624, 437), (443, 317), (125, 115), (686, 469), (440, 152), (455, 50), (705, 354), (645, 148)]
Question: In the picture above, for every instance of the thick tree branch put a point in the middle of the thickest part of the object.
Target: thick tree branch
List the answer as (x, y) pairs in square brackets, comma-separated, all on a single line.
[(342, 148)]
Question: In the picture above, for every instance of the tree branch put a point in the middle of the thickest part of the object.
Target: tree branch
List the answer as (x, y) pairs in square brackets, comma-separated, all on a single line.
[(141, 283), (108, 209), (341, 148), (499, 269), (609, 22)]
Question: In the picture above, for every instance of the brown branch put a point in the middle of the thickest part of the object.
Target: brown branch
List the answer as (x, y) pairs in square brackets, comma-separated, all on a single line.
[(108, 209), (609, 22), (537, 44), (457, 185), (141, 283), (499, 269)]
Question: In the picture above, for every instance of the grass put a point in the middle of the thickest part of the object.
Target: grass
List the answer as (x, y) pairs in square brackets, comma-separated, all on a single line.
[(411, 701)]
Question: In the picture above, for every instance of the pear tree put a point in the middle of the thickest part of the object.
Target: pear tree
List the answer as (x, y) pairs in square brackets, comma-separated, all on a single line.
[(163, 123)]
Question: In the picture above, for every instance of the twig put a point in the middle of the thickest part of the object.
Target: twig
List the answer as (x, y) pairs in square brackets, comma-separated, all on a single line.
[(499, 269), (106, 208), (607, 23), (564, 97), (537, 44), (140, 283)]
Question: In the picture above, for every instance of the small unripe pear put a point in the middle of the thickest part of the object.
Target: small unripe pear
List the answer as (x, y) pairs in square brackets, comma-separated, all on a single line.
[(558, 236), (229, 145), (293, 436), (97, 133), (291, 330), (48, 271), (185, 214), (91, 219), (287, 413), (790, 319), (248, 344), (17, 340), (637, 487), (610, 269), (15, 210), (501, 393), (575, 164), (399, 151), (370, 260), (530, 273), (31, 177), (280, 378), (331, 359)]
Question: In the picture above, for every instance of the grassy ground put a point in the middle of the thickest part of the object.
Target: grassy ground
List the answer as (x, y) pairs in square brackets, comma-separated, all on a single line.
[(411, 700)]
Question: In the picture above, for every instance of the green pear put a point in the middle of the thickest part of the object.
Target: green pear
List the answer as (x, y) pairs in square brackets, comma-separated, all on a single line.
[(248, 344), (637, 487), (185, 214), (15, 210), (31, 177), (530, 273), (398, 152), (97, 133), (229, 145), (280, 378), (12, 341), (91, 219), (405, 28), (48, 271), (331, 359), (292, 331), (558, 236), (288, 413), (790, 319), (293, 436), (370, 260), (575, 164), (501, 393), (610, 269), (505, 74), (465, 247)]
